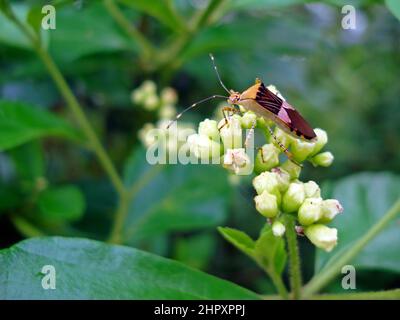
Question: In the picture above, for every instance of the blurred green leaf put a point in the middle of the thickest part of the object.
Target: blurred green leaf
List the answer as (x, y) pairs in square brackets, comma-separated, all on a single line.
[(270, 251), (365, 197), (9, 197), (394, 7), (61, 203), (173, 197), (10, 34), (87, 269), (264, 4), (160, 9), (20, 123), (34, 18), (35, 167), (239, 239)]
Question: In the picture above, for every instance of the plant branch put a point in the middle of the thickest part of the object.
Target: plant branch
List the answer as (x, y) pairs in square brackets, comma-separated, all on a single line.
[(324, 277), (115, 12), (279, 285), (294, 258)]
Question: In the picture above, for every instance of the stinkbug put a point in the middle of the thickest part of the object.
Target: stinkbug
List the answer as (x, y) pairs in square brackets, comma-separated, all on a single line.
[(266, 104)]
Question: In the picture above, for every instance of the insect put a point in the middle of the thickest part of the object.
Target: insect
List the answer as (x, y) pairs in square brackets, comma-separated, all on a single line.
[(264, 103)]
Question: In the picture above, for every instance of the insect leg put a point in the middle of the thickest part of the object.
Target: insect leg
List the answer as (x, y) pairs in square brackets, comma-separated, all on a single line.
[(224, 110), (283, 148), (251, 131)]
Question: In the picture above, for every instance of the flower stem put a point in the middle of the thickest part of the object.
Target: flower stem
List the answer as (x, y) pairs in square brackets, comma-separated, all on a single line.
[(279, 285), (294, 258), (324, 277)]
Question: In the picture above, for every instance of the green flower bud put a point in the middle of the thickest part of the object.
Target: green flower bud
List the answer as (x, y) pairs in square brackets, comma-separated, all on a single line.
[(266, 181), (293, 197), (137, 96), (323, 159), (301, 149), (291, 168), (278, 229), (248, 120), (267, 157), (283, 179), (148, 87), (312, 190), (203, 147), (151, 102), (266, 204), (237, 161), (322, 236), (209, 128), (322, 140), (310, 211), (169, 96), (167, 111), (330, 208), (231, 133), (282, 137)]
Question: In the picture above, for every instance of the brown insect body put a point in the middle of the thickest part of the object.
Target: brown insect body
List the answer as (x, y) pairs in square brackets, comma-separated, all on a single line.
[(266, 104)]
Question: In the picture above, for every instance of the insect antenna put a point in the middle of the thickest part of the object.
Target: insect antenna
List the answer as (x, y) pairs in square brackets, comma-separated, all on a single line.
[(216, 71), (194, 105)]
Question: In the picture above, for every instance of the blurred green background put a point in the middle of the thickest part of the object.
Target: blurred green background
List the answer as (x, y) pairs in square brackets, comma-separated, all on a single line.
[(344, 81)]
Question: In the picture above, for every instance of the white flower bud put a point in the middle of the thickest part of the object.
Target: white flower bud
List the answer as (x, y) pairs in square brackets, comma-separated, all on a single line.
[(266, 204), (209, 128), (321, 141), (237, 161), (146, 136), (231, 133), (248, 120), (278, 229), (312, 190), (169, 96), (167, 112), (267, 157), (323, 159), (310, 211), (138, 96), (330, 209), (322, 236), (282, 137), (283, 178), (291, 168), (148, 87), (293, 197), (301, 149), (151, 102), (203, 147), (266, 181)]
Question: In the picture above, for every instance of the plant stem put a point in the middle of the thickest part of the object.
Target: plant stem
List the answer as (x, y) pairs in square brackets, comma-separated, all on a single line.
[(129, 28), (279, 285), (323, 278), (294, 258), (74, 106), (373, 295)]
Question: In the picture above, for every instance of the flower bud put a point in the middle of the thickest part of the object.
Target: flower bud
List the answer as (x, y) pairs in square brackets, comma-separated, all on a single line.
[(291, 168), (237, 161), (267, 157), (293, 197), (209, 128), (203, 147), (167, 111), (148, 87), (310, 211), (231, 133), (145, 135), (322, 236), (266, 181), (151, 102), (330, 208), (138, 96), (283, 179), (301, 149), (248, 120), (312, 190), (282, 137), (266, 204), (323, 159), (278, 229), (321, 141), (169, 96)]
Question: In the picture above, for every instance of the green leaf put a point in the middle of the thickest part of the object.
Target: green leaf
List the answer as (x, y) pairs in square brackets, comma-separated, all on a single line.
[(173, 197), (365, 198), (239, 239), (34, 18), (20, 123), (159, 9), (87, 269), (61, 203), (35, 167), (394, 7), (10, 34), (265, 4), (270, 251)]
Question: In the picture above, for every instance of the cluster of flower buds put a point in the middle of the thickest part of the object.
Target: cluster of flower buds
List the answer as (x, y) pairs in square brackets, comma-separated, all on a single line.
[(279, 190), (146, 96)]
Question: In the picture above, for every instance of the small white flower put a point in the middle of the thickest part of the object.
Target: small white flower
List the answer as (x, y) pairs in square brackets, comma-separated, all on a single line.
[(151, 102), (330, 209), (278, 229), (291, 168), (267, 157), (323, 159), (146, 135), (266, 204), (321, 141), (322, 236), (312, 189), (301, 149), (209, 128), (283, 178), (149, 87), (237, 161), (293, 197), (310, 211), (169, 96), (231, 132), (266, 181), (167, 111), (203, 147)]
